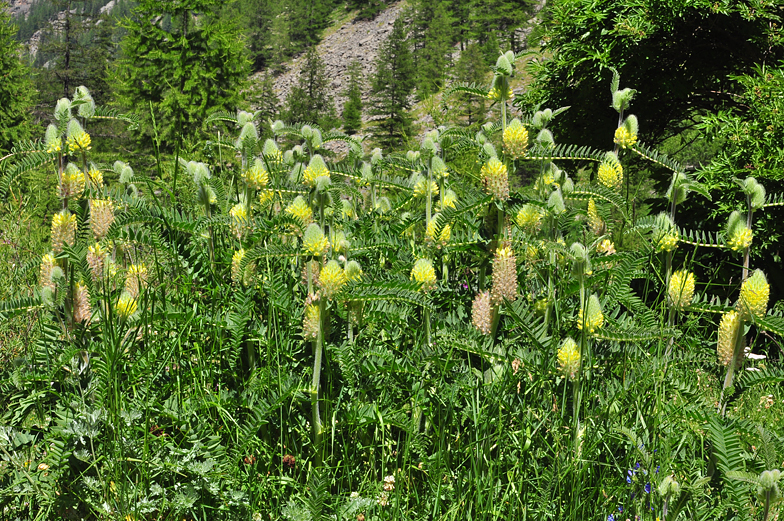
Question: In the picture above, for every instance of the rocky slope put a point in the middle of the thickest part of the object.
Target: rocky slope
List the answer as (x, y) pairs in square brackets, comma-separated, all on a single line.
[(355, 40)]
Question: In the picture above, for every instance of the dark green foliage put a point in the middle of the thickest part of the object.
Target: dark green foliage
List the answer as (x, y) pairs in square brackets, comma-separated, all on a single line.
[(492, 18), (432, 45), (680, 56), (392, 85), (470, 69), (16, 92), (310, 99), (352, 109), (181, 61), (75, 52)]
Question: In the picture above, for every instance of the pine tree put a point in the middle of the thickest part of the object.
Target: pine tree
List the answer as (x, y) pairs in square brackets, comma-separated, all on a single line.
[(16, 92), (352, 109), (432, 30), (74, 51), (310, 100), (392, 86), (499, 17), (471, 69), (180, 58)]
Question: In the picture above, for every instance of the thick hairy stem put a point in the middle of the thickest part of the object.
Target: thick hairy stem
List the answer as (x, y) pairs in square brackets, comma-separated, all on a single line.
[(318, 348), (427, 326), (747, 250)]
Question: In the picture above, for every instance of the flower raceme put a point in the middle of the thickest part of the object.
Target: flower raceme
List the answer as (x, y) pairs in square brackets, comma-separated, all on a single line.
[(332, 279), (311, 322), (314, 241), (101, 217), (681, 289), (424, 273), (495, 179), (594, 318), (754, 295), (300, 209), (63, 230), (256, 177), (729, 328), (126, 306), (504, 276), (316, 170), (481, 313), (72, 182), (569, 358), (515, 139)]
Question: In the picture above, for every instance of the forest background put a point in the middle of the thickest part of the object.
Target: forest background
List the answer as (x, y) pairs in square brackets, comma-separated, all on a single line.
[(479, 415)]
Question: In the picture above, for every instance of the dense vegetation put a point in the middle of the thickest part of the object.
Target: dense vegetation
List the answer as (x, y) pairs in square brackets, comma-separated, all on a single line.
[(212, 313)]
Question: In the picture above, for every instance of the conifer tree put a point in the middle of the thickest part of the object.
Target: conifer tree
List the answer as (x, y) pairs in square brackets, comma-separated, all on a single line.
[(16, 91), (352, 109), (310, 99), (392, 86), (470, 69), (180, 58), (432, 45)]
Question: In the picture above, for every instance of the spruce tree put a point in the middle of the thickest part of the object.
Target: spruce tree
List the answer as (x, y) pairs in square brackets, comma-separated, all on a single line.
[(180, 58), (432, 46), (471, 69), (352, 109), (310, 100), (16, 92), (392, 86)]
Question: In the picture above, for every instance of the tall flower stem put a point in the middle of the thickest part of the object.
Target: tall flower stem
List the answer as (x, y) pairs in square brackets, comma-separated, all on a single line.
[(318, 349), (737, 353)]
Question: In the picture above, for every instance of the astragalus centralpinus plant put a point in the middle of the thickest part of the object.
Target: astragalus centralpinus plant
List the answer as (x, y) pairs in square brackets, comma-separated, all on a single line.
[(310, 321)]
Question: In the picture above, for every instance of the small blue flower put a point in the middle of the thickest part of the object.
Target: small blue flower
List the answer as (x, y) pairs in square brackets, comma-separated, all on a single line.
[(636, 466), (628, 479), (657, 468), (611, 518), (620, 509), (647, 488)]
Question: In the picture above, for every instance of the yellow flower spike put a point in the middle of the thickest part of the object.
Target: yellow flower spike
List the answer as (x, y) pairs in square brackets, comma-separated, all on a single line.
[(481, 313), (624, 138), (681, 289), (256, 177), (72, 182), (63, 230), (729, 327), (439, 168), (494, 94), (424, 273), (96, 257), (77, 140), (594, 221), (126, 306), (420, 188), (94, 177), (48, 263), (594, 318), (611, 174), (81, 304), (314, 242), (516, 139), (495, 179), (236, 261), (668, 242), (135, 280), (353, 271), (529, 218), (239, 219), (754, 295), (101, 217), (311, 322), (569, 359), (504, 276), (740, 239), (332, 279), (54, 143), (316, 169), (300, 209)]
